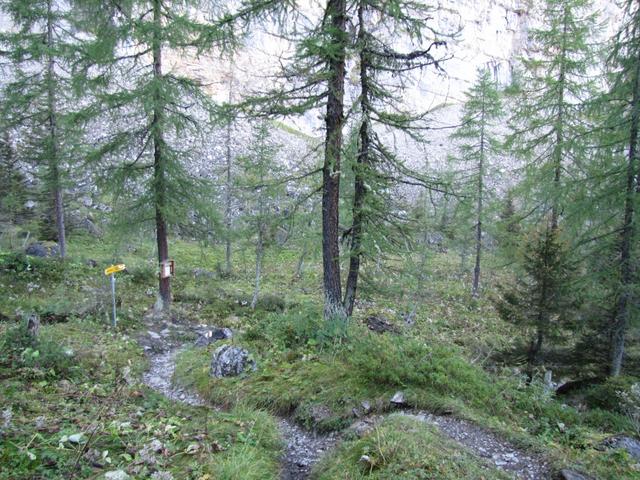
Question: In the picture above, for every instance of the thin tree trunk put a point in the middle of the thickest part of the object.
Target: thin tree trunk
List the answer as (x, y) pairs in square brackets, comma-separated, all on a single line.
[(259, 254), (336, 11), (300, 264), (54, 167), (227, 210), (362, 162), (622, 307), (159, 167), (559, 128), (476, 271)]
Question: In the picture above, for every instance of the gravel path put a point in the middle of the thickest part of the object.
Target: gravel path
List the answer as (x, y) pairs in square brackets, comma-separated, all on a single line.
[(303, 448), (485, 444)]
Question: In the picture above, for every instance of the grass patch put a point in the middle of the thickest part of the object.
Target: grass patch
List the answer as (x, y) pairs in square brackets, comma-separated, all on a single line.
[(403, 447)]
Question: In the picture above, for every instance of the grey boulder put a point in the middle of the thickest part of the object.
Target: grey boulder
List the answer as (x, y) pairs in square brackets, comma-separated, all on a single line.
[(231, 361), (43, 249), (631, 445)]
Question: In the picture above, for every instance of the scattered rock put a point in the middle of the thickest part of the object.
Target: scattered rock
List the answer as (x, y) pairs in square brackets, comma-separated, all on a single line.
[(116, 475), (367, 462), (398, 399), (202, 273), (319, 413), (162, 476), (631, 445), (91, 263), (43, 249), (366, 406), (365, 426), (229, 361), (210, 335), (568, 474), (380, 325), (33, 324), (154, 335)]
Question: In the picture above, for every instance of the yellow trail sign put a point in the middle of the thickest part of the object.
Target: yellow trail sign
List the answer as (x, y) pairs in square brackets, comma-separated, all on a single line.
[(114, 268)]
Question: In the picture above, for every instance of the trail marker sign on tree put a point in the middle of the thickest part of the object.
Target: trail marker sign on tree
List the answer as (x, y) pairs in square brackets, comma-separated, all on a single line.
[(111, 273)]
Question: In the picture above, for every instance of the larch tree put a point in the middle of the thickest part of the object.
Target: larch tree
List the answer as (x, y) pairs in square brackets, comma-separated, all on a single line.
[(159, 110), (383, 70), (478, 146), (623, 126), (262, 196), (314, 78), (39, 95), (549, 112)]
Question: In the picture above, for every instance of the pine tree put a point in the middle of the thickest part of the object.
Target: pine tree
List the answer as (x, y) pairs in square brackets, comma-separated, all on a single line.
[(12, 184), (549, 111), (478, 145), (542, 301), (158, 109), (39, 95), (263, 195)]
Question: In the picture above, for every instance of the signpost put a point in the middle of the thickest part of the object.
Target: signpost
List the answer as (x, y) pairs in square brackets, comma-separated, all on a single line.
[(111, 272)]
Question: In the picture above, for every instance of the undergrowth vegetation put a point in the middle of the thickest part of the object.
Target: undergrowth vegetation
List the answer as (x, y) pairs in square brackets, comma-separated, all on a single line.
[(80, 379)]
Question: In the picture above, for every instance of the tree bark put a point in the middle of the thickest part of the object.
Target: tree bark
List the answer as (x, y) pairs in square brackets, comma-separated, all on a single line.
[(333, 307), (54, 167), (623, 301), (159, 164), (227, 210), (476, 270), (259, 254), (362, 162)]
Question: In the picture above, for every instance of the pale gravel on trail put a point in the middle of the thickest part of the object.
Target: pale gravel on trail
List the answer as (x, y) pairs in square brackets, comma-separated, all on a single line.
[(482, 443), (303, 448)]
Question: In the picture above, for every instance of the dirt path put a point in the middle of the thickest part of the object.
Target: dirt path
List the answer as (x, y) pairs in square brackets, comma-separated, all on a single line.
[(303, 448), (484, 444)]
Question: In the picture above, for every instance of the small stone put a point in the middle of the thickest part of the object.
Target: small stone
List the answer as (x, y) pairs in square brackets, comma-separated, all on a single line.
[(116, 475), (398, 399), (366, 406), (154, 335), (568, 474), (367, 461), (162, 476), (75, 438)]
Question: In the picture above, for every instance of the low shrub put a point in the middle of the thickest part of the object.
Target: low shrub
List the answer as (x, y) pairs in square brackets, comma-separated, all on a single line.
[(605, 395), (20, 350)]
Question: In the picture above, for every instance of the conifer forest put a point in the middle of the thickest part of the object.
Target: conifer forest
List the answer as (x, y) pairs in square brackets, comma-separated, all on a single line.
[(319, 239)]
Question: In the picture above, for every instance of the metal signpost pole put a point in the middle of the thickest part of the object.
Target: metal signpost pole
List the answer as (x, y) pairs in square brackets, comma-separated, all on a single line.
[(113, 295)]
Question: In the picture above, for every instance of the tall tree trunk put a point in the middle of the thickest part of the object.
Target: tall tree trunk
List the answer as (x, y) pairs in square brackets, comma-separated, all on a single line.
[(159, 165), (476, 269), (227, 209), (360, 167), (622, 307), (336, 12), (558, 150), (54, 167)]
